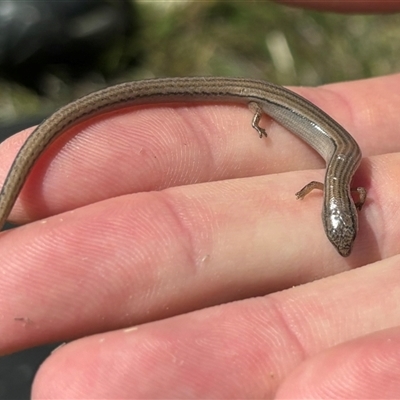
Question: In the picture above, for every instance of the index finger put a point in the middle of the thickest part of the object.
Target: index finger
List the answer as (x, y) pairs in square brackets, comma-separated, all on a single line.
[(160, 147)]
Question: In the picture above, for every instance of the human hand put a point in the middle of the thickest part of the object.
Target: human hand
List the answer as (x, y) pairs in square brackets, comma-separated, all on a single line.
[(205, 214), (349, 6)]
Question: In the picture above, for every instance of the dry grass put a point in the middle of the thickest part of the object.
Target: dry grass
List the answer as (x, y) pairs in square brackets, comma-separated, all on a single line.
[(256, 39)]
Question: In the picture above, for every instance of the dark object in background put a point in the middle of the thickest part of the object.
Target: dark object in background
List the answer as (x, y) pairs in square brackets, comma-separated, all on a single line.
[(18, 370), (7, 130), (72, 35)]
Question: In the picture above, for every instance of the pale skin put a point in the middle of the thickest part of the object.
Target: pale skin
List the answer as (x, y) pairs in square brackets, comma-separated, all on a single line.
[(206, 214)]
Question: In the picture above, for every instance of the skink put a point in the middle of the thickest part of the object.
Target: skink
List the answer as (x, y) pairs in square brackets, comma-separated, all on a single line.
[(298, 115)]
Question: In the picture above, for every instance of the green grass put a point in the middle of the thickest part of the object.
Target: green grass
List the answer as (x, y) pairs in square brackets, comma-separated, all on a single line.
[(245, 38)]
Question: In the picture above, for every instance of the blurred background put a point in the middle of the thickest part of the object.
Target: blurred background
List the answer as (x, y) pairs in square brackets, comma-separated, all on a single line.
[(52, 52)]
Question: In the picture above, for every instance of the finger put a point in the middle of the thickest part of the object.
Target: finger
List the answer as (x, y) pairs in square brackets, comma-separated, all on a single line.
[(364, 368), (154, 148), (134, 258), (239, 350), (346, 6), (354, 106)]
